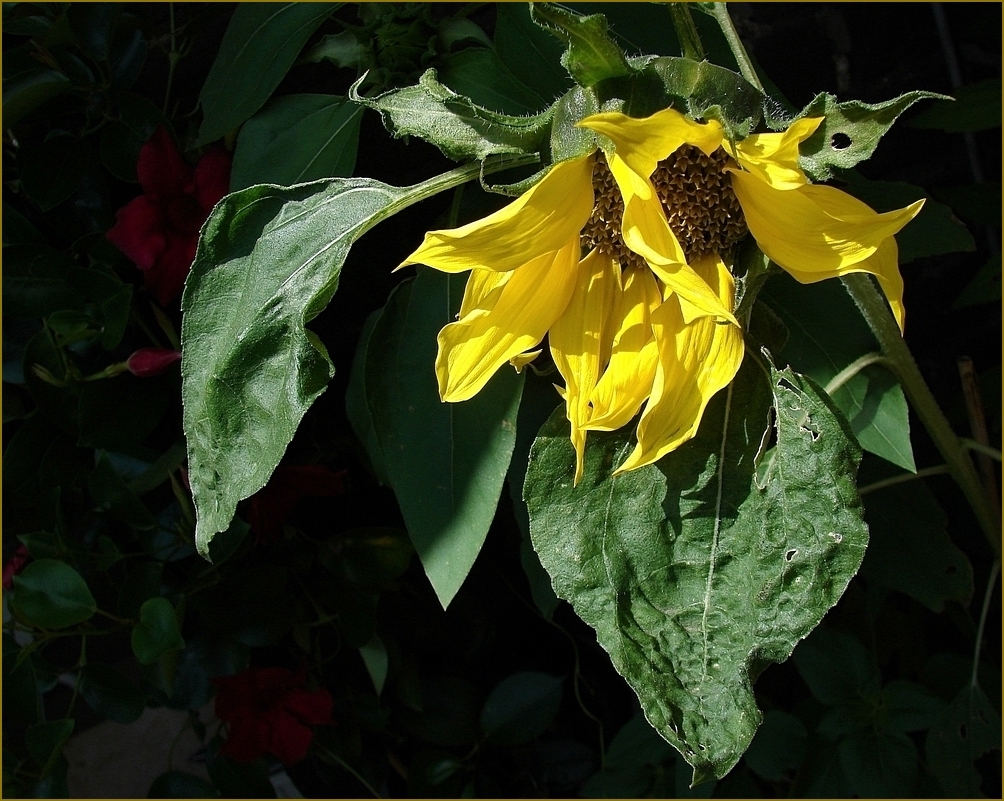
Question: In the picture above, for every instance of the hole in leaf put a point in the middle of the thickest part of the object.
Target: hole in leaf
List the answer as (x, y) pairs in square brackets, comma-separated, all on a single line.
[(790, 554), (840, 141), (963, 731)]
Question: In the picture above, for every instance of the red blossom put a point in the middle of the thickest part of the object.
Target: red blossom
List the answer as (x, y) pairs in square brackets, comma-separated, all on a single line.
[(159, 229), (271, 505), (147, 362), (15, 565), (270, 710)]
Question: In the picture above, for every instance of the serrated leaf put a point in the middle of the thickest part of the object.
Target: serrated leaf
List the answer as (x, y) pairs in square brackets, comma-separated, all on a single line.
[(850, 131), (445, 461), (976, 107), (592, 55), (453, 123), (827, 334), (267, 263), (694, 575), (295, 139), (261, 43)]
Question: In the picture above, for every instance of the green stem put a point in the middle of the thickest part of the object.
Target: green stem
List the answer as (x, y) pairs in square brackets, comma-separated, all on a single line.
[(721, 15), (937, 470), (994, 572), (879, 318), (853, 369), (979, 447), (686, 31)]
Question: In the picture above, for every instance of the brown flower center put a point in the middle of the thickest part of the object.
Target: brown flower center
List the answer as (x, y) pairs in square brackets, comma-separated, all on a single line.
[(696, 194)]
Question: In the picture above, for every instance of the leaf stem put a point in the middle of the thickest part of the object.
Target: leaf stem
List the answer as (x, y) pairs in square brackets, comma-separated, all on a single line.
[(853, 369), (902, 478), (686, 31), (879, 318), (979, 447), (994, 573), (721, 15)]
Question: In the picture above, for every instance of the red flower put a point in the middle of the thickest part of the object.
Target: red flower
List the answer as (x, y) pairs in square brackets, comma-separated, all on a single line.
[(159, 229), (14, 566), (272, 504), (147, 362), (269, 711)]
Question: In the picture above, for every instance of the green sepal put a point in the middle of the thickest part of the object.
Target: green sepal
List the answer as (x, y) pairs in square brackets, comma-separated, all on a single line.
[(592, 55), (699, 89), (850, 131), (452, 122), (695, 572)]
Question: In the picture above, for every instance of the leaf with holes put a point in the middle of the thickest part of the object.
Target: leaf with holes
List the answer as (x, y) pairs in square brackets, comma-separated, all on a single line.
[(695, 575), (850, 131), (445, 461)]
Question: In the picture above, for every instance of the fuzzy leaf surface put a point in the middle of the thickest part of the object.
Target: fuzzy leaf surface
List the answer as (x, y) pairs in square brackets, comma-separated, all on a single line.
[(268, 261), (694, 575), (454, 123)]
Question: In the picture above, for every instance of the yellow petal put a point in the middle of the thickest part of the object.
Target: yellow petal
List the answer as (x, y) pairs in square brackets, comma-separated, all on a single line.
[(540, 221), (532, 298), (577, 340), (647, 233), (627, 382), (482, 291), (696, 360), (774, 156), (814, 230), (523, 359), (643, 143)]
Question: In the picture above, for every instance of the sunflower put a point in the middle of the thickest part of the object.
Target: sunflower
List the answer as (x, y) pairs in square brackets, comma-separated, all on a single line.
[(622, 258)]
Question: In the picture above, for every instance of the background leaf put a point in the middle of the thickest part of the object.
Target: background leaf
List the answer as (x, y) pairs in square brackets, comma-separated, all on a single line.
[(520, 707), (52, 595), (826, 334), (976, 107), (532, 55), (268, 261), (967, 729), (260, 45), (592, 55), (445, 461), (694, 574), (157, 631), (295, 139)]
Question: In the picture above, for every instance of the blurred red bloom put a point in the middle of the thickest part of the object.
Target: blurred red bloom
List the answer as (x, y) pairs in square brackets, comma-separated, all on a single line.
[(147, 362), (273, 503), (159, 229), (14, 566), (270, 710)]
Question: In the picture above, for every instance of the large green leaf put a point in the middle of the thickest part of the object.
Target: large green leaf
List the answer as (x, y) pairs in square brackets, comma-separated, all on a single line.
[(445, 461), (452, 122), (297, 138), (521, 707), (260, 45), (695, 574), (531, 54), (827, 334), (479, 74), (267, 263)]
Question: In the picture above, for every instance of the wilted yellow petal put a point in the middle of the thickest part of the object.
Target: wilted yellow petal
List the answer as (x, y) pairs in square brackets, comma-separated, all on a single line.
[(540, 221), (577, 340), (643, 143), (647, 233), (696, 360), (814, 229), (774, 156), (472, 349), (627, 382)]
